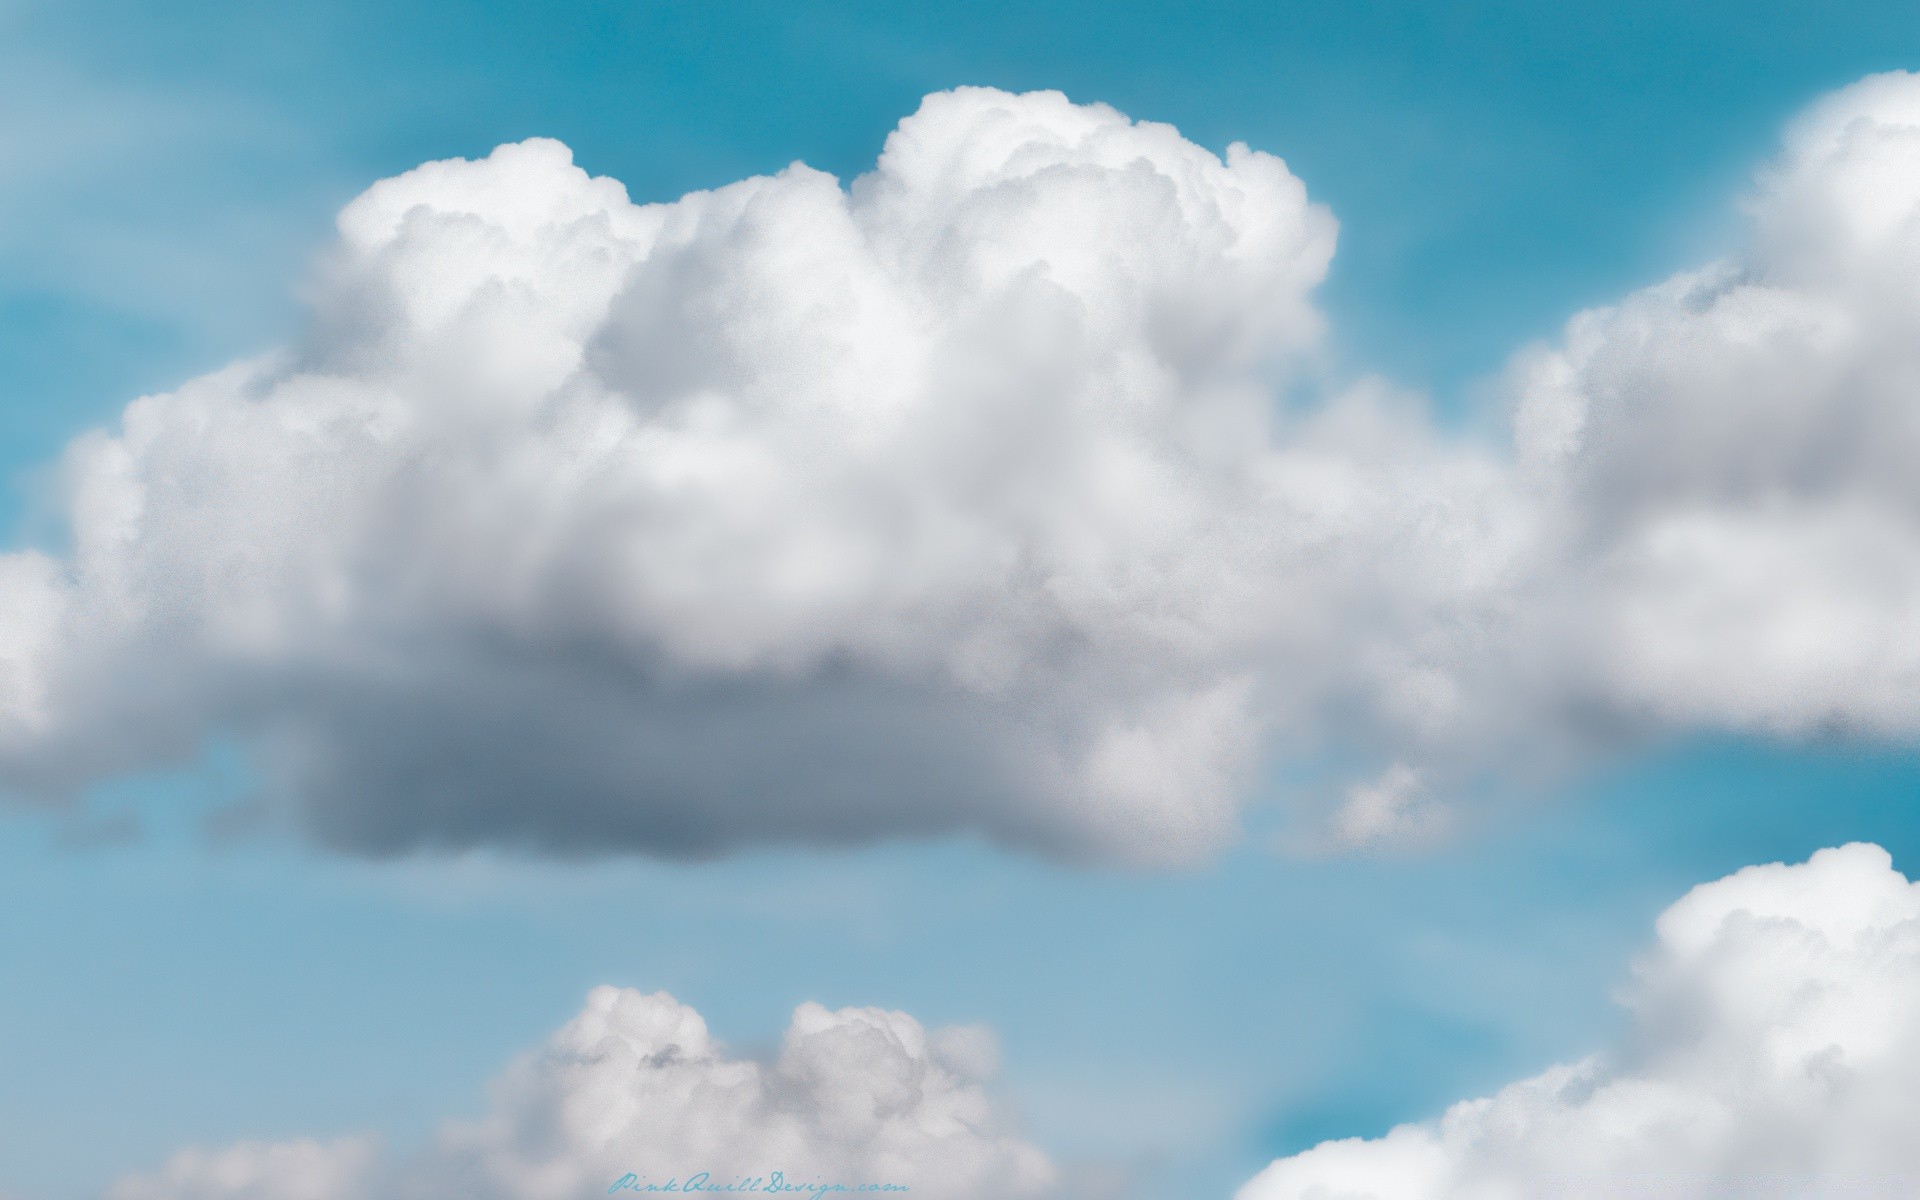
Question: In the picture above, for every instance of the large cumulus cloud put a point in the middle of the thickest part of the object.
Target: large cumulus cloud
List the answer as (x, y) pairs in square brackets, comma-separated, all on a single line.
[(780, 512), (1774, 1051), (1004, 490), (635, 1084)]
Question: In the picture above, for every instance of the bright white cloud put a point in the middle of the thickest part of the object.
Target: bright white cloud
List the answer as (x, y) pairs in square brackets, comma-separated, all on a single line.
[(1730, 452), (961, 499), (780, 512), (1774, 1052), (635, 1085)]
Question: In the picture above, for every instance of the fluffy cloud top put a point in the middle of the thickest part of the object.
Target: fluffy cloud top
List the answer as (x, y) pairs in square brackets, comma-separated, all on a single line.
[(1774, 1052), (965, 498), (780, 512), (635, 1085)]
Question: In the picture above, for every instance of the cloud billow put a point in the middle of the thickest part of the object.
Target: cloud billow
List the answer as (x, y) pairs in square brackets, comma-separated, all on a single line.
[(783, 512), (1729, 452), (963, 499), (1773, 1052), (635, 1085)]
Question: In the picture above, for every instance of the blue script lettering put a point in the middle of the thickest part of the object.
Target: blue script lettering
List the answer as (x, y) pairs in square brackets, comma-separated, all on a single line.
[(633, 1183), (777, 1183)]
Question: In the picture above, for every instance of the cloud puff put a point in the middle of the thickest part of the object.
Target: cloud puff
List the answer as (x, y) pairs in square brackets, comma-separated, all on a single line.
[(1774, 1051), (1729, 453), (1720, 524), (635, 1085), (783, 512), (1390, 810), (1003, 491), (295, 1170)]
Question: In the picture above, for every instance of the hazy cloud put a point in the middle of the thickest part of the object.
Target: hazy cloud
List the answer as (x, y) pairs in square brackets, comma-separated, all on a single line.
[(635, 1084)]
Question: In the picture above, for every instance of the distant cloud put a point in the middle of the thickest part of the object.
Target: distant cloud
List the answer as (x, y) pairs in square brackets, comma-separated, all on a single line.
[(1392, 810), (635, 1084), (1774, 1052), (964, 499), (292, 1170)]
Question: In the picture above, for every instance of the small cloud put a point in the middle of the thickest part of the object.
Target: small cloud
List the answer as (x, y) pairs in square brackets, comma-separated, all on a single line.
[(635, 1084), (1393, 811)]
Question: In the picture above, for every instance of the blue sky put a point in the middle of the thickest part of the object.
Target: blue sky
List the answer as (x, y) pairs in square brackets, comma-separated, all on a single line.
[(1494, 169)]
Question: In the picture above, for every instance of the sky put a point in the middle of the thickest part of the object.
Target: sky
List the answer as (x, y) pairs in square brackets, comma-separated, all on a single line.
[(182, 963)]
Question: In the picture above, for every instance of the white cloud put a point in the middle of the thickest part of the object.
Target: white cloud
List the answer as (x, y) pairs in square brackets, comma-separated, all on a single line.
[(781, 512), (1392, 810), (1730, 452), (295, 1170), (635, 1084), (961, 499), (1774, 1051)]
